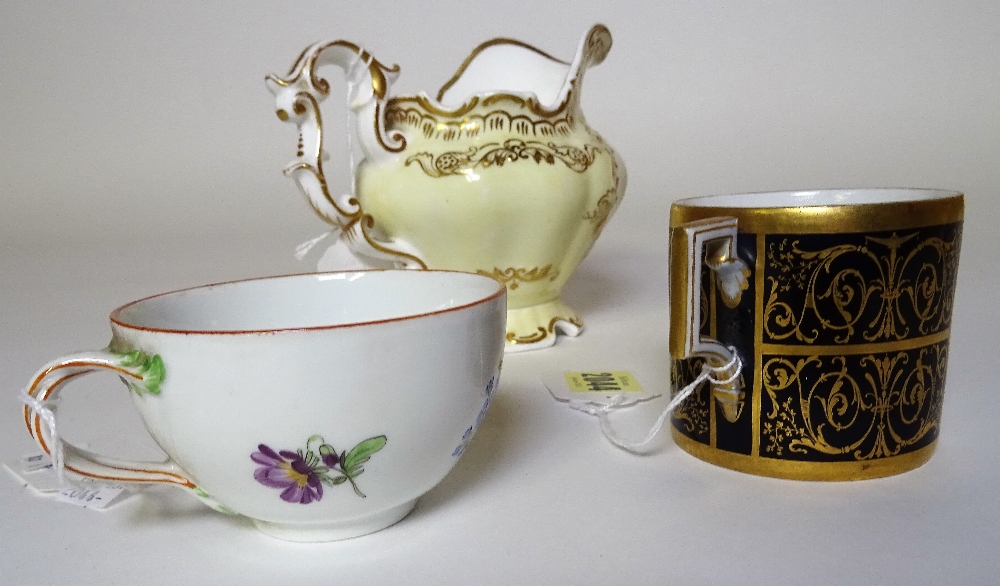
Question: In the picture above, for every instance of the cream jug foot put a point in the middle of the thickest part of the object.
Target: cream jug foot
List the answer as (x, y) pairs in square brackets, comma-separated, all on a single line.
[(535, 327)]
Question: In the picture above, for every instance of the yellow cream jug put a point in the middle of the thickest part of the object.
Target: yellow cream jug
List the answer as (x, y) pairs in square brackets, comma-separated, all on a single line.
[(499, 174)]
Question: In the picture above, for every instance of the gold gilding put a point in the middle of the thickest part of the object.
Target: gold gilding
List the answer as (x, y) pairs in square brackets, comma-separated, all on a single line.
[(377, 70), (805, 470), (367, 225), (463, 150), (608, 201), (758, 351), (875, 406), (497, 155), (552, 323), (904, 356), (534, 338), (852, 349), (464, 124), (513, 277), (832, 219), (878, 275), (679, 284), (378, 134)]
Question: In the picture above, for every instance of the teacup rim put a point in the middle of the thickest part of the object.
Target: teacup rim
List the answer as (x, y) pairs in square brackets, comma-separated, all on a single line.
[(116, 320), (786, 216), (725, 200)]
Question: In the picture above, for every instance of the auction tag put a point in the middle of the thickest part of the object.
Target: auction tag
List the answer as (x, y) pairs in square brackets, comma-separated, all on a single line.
[(597, 387), (90, 497), (37, 473), (35, 462), (602, 382)]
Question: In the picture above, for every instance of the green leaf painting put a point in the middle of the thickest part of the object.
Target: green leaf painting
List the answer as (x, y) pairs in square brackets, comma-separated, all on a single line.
[(361, 453), (210, 501), (149, 371)]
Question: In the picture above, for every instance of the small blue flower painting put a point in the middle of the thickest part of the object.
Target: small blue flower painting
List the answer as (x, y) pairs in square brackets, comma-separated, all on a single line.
[(491, 388)]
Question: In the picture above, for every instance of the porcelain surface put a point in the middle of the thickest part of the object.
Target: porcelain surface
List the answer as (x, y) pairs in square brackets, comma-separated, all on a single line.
[(838, 304), (499, 174), (321, 406)]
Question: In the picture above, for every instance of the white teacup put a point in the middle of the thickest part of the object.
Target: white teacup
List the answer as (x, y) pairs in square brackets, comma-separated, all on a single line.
[(320, 405)]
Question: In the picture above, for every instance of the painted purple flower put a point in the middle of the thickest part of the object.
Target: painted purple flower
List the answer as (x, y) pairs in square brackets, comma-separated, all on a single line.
[(301, 474), (288, 471), (331, 459)]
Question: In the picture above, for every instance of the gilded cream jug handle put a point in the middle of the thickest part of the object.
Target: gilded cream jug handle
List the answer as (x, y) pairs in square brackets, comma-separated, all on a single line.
[(297, 99), (705, 243)]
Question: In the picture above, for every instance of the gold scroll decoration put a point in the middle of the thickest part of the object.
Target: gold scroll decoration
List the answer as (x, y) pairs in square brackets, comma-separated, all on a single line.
[(513, 277), (497, 155)]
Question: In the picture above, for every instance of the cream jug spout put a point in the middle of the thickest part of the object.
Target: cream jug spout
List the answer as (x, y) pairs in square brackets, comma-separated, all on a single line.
[(509, 66)]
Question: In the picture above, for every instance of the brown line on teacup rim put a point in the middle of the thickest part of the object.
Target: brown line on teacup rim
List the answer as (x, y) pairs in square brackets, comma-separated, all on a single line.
[(501, 289)]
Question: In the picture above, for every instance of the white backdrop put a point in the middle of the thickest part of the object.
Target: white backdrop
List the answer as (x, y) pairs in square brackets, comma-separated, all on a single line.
[(139, 152), (151, 120)]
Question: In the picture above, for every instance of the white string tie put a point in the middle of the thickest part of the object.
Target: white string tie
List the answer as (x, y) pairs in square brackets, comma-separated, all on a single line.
[(353, 76), (303, 249), (44, 409), (708, 373)]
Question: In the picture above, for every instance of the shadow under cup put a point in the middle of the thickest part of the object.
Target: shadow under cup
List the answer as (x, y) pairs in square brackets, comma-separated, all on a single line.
[(842, 326)]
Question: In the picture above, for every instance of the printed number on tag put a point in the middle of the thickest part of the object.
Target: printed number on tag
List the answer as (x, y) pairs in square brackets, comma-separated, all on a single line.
[(597, 387), (614, 381), (35, 462), (91, 498)]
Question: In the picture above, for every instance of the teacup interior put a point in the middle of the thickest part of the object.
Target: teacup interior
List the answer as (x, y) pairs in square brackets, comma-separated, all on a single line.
[(510, 68), (824, 197), (308, 301)]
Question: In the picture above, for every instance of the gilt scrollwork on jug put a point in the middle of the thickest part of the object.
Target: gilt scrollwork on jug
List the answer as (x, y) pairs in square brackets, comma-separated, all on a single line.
[(499, 174)]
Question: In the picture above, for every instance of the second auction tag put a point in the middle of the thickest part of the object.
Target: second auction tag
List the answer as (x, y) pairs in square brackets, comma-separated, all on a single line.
[(90, 497), (35, 471), (597, 387)]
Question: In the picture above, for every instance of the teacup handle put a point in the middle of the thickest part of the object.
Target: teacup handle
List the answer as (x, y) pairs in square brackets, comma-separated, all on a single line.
[(693, 246), (141, 372)]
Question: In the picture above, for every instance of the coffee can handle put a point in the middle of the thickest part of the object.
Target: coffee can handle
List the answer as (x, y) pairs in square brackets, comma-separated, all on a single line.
[(694, 247), (143, 375)]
